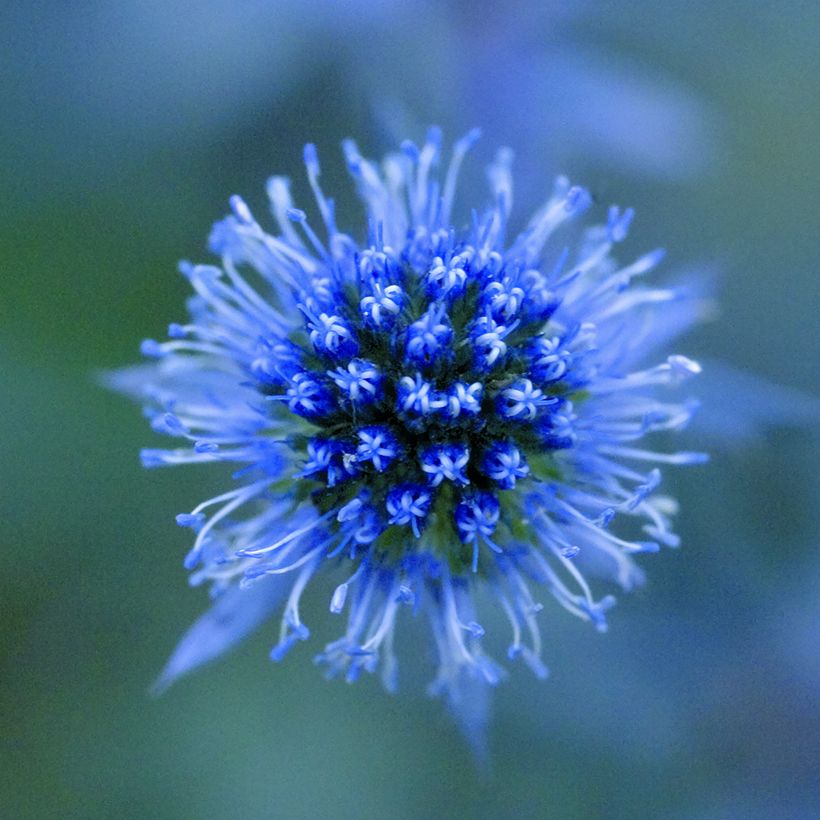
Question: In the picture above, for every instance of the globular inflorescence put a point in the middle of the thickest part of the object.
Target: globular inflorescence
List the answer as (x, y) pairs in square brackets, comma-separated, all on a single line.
[(419, 409)]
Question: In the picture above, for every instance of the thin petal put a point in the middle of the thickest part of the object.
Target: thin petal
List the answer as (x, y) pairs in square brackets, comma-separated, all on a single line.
[(468, 700), (738, 405), (233, 616)]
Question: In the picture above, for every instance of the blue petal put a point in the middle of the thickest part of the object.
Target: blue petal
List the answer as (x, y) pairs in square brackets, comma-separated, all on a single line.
[(181, 380), (233, 616), (629, 128), (738, 405), (695, 302), (468, 701)]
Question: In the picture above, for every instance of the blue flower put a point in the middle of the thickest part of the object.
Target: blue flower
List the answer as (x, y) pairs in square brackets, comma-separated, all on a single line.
[(419, 411)]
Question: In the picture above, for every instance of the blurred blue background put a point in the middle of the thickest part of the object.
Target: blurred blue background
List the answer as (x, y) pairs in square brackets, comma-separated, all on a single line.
[(125, 128)]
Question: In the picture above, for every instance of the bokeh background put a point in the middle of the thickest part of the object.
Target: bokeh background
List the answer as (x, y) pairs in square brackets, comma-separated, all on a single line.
[(125, 128)]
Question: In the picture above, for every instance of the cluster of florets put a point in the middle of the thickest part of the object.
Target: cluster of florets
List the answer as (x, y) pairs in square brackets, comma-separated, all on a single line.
[(432, 408), (430, 381)]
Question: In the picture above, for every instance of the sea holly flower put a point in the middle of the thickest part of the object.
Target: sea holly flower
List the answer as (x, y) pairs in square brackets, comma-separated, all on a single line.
[(415, 411)]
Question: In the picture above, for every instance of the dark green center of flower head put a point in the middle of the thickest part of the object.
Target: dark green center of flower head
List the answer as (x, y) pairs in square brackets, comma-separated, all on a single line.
[(432, 388)]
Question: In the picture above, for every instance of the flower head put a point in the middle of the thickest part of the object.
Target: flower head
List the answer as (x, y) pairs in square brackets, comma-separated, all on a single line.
[(418, 410)]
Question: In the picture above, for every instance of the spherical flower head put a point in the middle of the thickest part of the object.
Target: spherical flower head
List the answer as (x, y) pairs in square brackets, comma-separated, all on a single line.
[(418, 409)]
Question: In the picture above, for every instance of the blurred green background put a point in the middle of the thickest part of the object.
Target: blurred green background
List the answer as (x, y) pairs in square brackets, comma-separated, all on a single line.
[(125, 129)]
